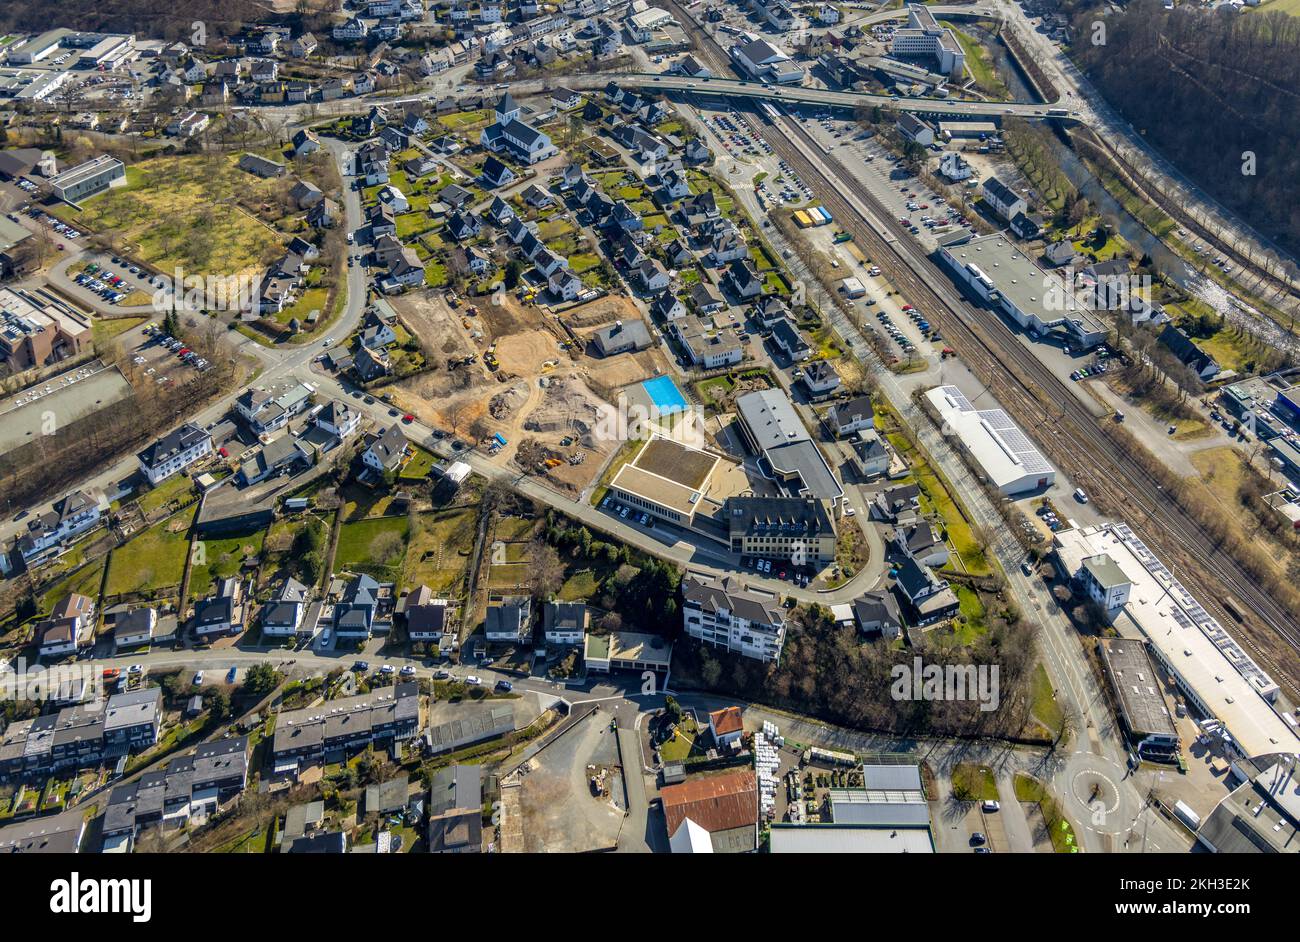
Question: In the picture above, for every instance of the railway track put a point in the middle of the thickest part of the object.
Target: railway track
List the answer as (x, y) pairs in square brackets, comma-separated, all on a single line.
[(1022, 383), (1039, 400)]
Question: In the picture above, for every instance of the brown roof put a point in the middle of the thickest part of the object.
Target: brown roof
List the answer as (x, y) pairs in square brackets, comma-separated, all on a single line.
[(72, 606), (714, 802), (726, 720)]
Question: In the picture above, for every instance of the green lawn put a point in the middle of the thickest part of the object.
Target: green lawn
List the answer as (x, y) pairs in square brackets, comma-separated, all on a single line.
[(220, 559), (152, 560), (366, 546), (972, 782), (438, 551), (181, 211), (177, 488), (1046, 709), (418, 467)]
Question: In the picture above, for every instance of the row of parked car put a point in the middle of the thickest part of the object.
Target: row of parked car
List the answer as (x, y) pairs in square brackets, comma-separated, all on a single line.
[(108, 290), (184, 353), (779, 569), (623, 511), (58, 225)]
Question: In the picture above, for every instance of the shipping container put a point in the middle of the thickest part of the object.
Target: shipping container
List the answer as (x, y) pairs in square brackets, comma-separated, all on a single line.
[(802, 219)]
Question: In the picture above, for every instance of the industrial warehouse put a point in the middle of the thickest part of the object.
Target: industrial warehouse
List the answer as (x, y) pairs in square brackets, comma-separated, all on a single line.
[(1009, 461), (999, 273), (1228, 689)]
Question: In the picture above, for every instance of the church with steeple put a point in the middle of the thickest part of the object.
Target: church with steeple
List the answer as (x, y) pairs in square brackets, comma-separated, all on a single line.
[(512, 136)]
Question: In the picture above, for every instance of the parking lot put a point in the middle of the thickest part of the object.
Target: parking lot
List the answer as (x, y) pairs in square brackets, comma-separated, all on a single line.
[(115, 279)]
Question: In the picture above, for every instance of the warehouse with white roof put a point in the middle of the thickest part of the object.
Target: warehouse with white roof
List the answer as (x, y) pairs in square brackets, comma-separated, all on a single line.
[(1216, 675), (1009, 460)]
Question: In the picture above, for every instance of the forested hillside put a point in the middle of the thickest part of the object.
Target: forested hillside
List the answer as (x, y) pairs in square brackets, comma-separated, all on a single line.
[(1207, 87)]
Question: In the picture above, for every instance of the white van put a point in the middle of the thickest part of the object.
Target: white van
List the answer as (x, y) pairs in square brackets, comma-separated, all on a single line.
[(1080, 496)]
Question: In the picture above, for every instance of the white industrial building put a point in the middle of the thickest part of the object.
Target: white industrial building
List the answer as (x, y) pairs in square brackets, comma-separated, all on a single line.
[(1216, 675), (1007, 457), (999, 273)]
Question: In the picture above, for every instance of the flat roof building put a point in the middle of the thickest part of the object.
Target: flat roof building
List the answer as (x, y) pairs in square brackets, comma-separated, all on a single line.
[(1141, 703), (627, 650), (671, 480), (1009, 461), (86, 180), (772, 428), (1217, 676), (993, 268)]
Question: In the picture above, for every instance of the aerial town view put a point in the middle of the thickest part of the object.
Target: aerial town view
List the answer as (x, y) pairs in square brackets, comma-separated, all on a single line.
[(678, 426)]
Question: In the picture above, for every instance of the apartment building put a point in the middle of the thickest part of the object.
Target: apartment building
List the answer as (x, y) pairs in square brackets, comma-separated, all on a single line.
[(724, 613)]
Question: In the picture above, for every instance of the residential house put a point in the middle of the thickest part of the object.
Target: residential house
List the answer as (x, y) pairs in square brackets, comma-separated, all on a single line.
[(565, 623), (925, 597), (876, 613), (820, 379), (70, 627), (922, 543), (356, 609), (743, 280), (727, 614), (851, 415), (221, 613), (509, 619), (388, 451), (285, 615), (426, 615), (176, 450)]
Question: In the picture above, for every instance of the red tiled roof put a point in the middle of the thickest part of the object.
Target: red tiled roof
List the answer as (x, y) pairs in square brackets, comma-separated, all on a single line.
[(726, 720), (714, 802)]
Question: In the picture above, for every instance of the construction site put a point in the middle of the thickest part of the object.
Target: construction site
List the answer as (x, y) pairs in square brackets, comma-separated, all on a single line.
[(517, 379)]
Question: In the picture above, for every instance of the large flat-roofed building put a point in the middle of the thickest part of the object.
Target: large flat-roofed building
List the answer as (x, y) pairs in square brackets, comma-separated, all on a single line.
[(764, 61), (924, 38), (1007, 457), (772, 429), (23, 417), (473, 722), (37, 329), (849, 839), (38, 48), (86, 180), (998, 272), (1141, 703), (671, 480), (109, 52), (1216, 675)]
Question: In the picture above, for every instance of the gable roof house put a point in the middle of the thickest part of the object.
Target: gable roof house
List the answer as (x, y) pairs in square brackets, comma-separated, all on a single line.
[(387, 451), (1189, 354), (509, 619)]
